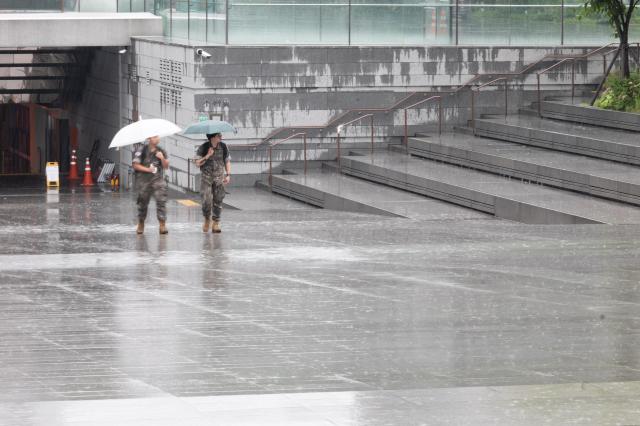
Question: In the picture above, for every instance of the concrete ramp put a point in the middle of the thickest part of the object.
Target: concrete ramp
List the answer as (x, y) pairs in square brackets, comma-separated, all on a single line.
[(331, 190), (77, 29), (502, 197), (592, 141), (602, 178)]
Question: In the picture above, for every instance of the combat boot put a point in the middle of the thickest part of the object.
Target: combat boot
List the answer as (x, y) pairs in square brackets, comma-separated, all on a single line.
[(163, 227), (216, 227), (206, 225), (140, 228)]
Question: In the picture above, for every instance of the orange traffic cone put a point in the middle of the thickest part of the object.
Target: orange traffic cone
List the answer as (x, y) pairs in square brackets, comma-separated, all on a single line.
[(73, 169), (87, 179)]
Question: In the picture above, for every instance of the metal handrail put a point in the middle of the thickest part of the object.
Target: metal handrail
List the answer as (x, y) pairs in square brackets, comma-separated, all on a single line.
[(304, 134), (529, 67), (406, 125), (405, 99), (342, 126), (573, 80), (334, 121), (473, 101), (468, 84), (573, 60)]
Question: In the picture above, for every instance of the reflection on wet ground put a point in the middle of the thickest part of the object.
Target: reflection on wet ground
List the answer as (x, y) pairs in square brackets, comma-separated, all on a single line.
[(295, 315)]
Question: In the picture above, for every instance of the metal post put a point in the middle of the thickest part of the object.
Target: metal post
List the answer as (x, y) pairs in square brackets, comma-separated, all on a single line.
[(206, 19), (604, 64), (171, 18), (604, 78), (440, 116), (506, 98), (349, 25), (270, 167), (573, 78), (304, 144), (406, 132), (473, 111), (539, 98), (338, 153), (371, 134), (130, 5), (61, 5), (189, 173), (457, 22), (562, 23), (226, 22), (188, 19)]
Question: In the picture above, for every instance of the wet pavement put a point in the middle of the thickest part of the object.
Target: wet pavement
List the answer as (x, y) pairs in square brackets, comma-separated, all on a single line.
[(301, 316)]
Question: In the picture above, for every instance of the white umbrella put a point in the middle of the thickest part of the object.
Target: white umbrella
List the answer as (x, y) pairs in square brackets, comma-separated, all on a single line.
[(142, 130)]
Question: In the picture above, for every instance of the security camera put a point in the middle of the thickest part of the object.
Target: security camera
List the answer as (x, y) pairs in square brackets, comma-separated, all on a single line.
[(203, 53)]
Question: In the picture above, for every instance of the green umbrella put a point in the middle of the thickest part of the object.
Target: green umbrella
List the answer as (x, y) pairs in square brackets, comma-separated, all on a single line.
[(208, 127)]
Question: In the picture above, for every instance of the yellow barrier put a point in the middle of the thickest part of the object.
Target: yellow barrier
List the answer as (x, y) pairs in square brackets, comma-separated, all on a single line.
[(53, 175)]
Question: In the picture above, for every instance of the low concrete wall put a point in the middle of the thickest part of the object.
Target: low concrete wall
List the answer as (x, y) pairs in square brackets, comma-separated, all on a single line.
[(591, 115), (260, 89)]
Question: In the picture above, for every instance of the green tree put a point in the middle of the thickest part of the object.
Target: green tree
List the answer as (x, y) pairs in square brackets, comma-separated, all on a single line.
[(619, 14)]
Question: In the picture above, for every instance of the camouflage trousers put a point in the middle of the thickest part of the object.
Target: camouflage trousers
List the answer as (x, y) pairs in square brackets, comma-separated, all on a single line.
[(212, 195), (158, 190)]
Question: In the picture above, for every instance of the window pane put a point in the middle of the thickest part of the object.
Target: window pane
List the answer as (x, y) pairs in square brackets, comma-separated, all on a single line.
[(402, 22), (288, 21), (97, 5), (180, 19), (526, 22), (585, 30)]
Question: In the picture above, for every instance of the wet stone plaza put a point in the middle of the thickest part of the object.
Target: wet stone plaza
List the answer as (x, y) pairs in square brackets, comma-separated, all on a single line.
[(303, 316)]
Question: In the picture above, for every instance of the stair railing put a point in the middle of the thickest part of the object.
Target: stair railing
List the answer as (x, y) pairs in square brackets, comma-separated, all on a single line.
[(342, 126), (480, 87), (471, 84), (271, 145), (406, 125)]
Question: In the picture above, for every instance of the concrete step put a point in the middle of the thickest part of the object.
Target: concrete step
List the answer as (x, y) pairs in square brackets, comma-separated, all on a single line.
[(602, 178), (331, 190), (609, 144), (502, 197), (578, 111)]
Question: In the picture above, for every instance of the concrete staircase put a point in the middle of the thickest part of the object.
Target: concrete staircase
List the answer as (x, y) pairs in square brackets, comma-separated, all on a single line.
[(522, 168)]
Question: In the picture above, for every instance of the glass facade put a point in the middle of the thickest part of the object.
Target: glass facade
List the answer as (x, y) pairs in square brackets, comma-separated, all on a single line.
[(360, 22), (385, 22)]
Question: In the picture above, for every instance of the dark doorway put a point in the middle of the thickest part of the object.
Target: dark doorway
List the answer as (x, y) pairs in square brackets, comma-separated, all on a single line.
[(15, 142)]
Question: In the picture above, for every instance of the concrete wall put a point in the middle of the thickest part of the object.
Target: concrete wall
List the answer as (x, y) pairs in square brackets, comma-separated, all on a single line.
[(260, 89)]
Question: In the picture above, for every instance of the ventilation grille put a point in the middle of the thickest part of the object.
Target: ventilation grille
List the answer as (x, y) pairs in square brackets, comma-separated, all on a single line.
[(133, 72), (170, 82), (170, 94)]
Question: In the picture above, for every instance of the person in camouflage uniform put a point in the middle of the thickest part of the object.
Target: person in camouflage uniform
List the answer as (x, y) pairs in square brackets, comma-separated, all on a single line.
[(150, 161), (215, 166)]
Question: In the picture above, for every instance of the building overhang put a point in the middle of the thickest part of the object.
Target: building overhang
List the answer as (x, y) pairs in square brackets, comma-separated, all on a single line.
[(75, 29)]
